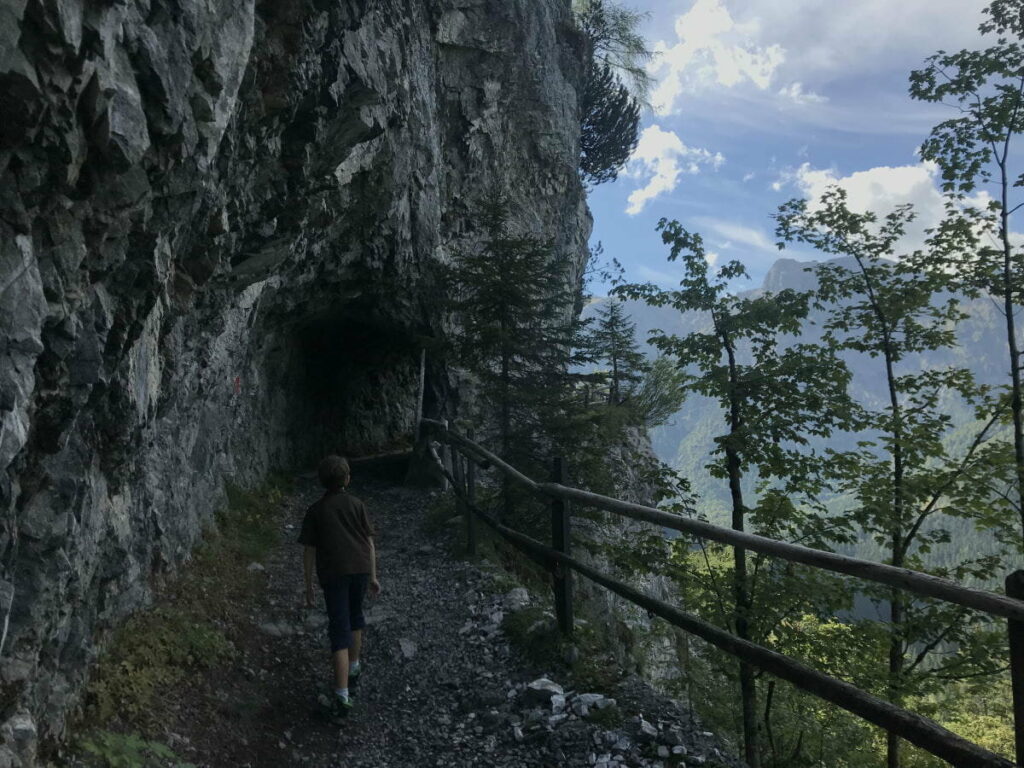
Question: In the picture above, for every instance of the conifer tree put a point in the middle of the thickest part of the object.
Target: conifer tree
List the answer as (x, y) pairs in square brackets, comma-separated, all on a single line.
[(613, 344), (609, 128), (516, 323), (616, 44)]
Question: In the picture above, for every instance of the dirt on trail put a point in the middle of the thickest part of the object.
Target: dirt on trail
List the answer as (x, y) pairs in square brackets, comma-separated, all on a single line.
[(441, 684)]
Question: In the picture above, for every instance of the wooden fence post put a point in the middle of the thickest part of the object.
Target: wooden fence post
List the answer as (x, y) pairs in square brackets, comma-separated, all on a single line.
[(471, 497), (446, 455), (561, 538), (421, 393), (1015, 589), (460, 484)]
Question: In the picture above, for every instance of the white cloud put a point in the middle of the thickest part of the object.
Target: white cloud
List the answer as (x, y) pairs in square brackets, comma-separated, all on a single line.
[(844, 39), (795, 92), (777, 53), (749, 177), (882, 189), (879, 190), (733, 233), (711, 48), (660, 158)]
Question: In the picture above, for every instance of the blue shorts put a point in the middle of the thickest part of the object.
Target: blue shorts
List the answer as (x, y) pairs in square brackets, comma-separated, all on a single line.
[(343, 596)]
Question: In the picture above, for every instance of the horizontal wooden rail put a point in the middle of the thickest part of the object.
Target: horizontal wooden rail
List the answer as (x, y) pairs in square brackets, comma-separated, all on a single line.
[(918, 730), (902, 578)]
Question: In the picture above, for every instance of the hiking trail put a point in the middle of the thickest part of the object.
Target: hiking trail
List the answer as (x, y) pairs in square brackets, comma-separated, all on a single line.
[(441, 684)]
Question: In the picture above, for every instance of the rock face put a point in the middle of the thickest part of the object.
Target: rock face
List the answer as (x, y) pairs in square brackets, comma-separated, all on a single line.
[(219, 227)]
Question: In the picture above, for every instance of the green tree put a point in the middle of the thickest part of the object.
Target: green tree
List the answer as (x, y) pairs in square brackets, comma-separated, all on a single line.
[(516, 329), (902, 478), (609, 126), (660, 394), (615, 43), (978, 147), (773, 397), (613, 344)]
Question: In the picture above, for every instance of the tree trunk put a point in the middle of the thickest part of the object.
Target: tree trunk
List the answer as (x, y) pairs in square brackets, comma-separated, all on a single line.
[(506, 429), (748, 685), (1016, 406), (898, 548), (613, 394)]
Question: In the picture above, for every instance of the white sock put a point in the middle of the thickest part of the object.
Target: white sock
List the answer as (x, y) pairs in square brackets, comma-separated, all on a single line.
[(341, 693), (354, 667)]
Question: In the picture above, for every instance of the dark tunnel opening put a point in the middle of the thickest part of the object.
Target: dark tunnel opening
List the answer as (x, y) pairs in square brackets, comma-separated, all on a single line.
[(359, 388)]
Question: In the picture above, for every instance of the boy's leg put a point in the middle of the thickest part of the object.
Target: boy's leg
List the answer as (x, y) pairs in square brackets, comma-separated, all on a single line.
[(336, 596), (357, 591), (357, 646), (341, 669)]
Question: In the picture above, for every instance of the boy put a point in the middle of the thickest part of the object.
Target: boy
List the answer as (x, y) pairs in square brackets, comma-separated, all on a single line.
[(338, 538)]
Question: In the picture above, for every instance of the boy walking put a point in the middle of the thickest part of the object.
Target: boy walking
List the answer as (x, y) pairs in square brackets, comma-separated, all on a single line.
[(338, 539)]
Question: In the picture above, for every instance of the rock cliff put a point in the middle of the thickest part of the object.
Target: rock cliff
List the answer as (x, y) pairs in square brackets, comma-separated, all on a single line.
[(218, 227)]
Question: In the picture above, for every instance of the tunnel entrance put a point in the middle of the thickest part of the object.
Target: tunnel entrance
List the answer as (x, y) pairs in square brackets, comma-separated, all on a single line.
[(360, 385)]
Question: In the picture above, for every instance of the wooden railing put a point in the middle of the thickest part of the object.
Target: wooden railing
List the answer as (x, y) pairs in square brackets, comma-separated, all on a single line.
[(460, 469)]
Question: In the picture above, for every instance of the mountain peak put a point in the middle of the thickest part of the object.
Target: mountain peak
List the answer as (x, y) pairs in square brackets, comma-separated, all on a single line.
[(790, 273)]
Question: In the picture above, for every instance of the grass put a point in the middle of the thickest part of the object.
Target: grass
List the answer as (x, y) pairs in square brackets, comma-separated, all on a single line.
[(182, 635), (120, 750)]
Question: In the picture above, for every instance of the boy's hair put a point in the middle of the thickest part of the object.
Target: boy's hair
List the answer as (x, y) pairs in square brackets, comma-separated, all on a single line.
[(333, 472)]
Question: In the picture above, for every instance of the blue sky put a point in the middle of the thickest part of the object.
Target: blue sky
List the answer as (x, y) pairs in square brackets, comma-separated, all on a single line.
[(758, 101)]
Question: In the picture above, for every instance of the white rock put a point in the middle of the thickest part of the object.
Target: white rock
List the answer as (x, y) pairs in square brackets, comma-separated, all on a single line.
[(277, 629), (647, 729), (517, 599), (557, 703), (541, 690), (256, 568), (408, 647)]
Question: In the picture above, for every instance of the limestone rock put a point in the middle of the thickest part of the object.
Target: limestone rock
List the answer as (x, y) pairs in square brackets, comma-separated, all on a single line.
[(221, 227), (541, 691)]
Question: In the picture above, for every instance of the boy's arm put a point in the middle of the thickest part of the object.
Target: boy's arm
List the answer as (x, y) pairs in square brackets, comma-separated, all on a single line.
[(309, 563), (374, 584)]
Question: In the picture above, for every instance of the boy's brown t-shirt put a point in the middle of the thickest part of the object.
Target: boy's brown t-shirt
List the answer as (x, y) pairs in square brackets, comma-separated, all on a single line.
[(338, 526)]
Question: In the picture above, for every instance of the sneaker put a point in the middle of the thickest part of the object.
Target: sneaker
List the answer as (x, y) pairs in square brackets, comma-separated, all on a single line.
[(353, 677), (342, 707)]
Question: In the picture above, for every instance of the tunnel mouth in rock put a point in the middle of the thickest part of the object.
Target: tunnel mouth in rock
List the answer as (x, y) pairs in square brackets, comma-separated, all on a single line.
[(359, 386)]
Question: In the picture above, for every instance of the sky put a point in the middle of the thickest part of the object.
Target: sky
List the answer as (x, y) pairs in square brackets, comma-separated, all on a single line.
[(760, 101)]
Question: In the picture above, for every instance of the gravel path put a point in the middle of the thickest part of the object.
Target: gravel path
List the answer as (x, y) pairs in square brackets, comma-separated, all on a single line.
[(441, 685)]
